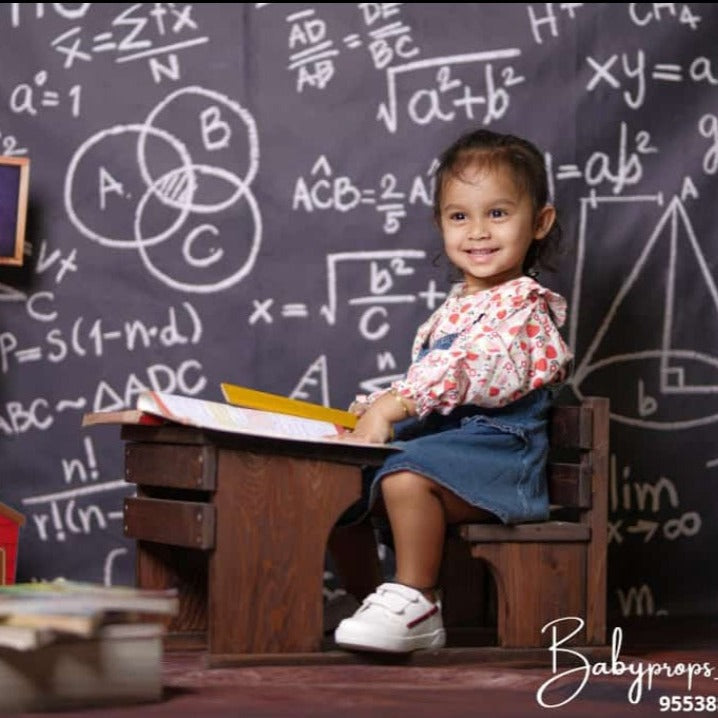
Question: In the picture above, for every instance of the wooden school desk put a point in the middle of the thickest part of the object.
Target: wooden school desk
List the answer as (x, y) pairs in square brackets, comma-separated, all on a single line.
[(239, 524)]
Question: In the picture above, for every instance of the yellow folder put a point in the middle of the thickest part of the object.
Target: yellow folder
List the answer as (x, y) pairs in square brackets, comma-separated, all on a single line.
[(253, 399)]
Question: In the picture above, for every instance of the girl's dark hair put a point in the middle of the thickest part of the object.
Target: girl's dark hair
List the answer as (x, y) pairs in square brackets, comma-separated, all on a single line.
[(485, 148)]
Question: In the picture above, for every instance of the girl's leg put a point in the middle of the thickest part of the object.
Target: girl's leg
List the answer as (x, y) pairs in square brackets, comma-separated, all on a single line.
[(404, 615), (419, 511)]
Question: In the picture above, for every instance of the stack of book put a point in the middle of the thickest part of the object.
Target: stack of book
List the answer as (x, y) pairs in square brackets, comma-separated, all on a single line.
[(66, 644)]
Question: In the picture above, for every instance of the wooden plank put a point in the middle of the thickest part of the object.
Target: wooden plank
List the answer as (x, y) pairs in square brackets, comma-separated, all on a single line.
[(338, 451), (597, 519), (570, 484), (537, 583), (179, 466), (168, 434), (571, 427), (467, 658), (178, 523), (541, 532)]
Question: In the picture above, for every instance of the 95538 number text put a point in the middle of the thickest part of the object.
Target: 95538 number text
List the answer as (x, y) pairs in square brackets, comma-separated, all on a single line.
[(688, 704)]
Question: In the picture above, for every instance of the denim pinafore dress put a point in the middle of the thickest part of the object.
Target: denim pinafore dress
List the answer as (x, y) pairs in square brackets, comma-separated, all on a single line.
[(493, 458)]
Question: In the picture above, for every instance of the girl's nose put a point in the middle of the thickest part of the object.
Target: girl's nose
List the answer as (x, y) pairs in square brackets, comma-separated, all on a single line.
[(479, 230)]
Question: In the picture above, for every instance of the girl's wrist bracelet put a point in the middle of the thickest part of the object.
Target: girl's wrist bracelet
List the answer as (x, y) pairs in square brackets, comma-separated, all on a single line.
[(402, 401)]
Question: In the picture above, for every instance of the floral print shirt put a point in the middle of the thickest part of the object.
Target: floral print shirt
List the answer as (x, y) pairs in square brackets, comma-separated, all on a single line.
[(506, 343)]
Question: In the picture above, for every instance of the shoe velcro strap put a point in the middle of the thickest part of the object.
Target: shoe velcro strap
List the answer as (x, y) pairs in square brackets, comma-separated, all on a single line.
[(393, 596)]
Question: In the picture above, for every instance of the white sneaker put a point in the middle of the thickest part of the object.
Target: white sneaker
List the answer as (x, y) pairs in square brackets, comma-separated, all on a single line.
[(395, 619)]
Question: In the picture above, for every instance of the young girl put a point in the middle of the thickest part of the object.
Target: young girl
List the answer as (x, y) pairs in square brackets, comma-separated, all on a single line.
[(484, 368)]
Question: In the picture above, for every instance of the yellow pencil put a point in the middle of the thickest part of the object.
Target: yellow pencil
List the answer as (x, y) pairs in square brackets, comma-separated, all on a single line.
[(253, 399)]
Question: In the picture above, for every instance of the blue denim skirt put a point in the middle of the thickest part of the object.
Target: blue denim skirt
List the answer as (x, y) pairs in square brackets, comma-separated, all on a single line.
[(494, 459)]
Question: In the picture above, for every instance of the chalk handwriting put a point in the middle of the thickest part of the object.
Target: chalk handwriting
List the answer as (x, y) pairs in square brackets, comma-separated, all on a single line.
[(447, 92), (675, 228), (645, 14), (638, 601), (139, 32), (323, 191), (313, 385), (59, 515), (708, 128), (11, 147), (643, 501), (388, 42), (611, 73), (18, 10), (543, 17), (381, 279), (221, 124), (95, 336), (311, 50), (39, 413)]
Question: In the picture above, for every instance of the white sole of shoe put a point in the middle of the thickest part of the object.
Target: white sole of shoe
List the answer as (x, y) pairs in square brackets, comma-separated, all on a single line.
[(359, 639)]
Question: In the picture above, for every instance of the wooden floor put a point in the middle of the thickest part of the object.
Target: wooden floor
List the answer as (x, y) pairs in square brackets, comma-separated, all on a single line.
[(453, 683)]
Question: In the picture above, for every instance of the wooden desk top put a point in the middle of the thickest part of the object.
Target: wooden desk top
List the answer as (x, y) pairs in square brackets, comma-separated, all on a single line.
[(344, 452)]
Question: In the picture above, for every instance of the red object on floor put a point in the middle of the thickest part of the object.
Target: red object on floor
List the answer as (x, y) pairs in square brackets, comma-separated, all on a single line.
[(10, 523)]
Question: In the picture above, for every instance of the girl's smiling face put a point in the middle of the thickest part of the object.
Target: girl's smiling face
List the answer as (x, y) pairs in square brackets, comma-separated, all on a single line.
[(488, 224)]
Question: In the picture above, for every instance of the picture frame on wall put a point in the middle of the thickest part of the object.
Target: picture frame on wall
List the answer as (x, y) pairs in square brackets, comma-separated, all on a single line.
[(14, 188)]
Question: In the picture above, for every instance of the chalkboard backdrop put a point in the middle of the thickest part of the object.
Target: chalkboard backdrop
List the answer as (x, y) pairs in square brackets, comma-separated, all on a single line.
[(241, 192)]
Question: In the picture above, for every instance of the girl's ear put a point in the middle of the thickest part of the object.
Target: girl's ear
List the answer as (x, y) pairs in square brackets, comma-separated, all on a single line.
[(544, 221)]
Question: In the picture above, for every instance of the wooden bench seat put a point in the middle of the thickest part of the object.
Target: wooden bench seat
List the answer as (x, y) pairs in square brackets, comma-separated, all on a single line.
[(542, 571)]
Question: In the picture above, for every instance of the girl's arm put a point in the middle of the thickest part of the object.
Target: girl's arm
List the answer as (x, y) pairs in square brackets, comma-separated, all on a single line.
[(490, 363), (375, 424)]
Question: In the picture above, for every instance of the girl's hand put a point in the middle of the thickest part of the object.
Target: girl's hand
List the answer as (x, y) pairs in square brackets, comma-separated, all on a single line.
[(373, 427), (376, 420)]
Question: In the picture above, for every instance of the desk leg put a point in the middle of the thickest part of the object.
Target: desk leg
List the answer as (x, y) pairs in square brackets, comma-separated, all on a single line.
[(274, 515), (161, 566)]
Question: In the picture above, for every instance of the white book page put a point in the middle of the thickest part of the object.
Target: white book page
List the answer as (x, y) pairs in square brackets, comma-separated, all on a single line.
[(225, 417)]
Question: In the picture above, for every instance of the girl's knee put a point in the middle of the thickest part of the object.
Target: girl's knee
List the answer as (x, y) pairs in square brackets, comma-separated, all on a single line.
[(405, 484)]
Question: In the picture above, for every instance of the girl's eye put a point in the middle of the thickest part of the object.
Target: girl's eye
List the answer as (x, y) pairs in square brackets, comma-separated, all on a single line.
[(457, 216), (497, 213)]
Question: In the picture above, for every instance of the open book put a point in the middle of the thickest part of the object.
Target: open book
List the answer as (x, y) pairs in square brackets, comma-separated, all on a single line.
[(219, 416)]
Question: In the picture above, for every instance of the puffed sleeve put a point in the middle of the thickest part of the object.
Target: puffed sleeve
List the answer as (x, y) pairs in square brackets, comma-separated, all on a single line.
[(515, 348)]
